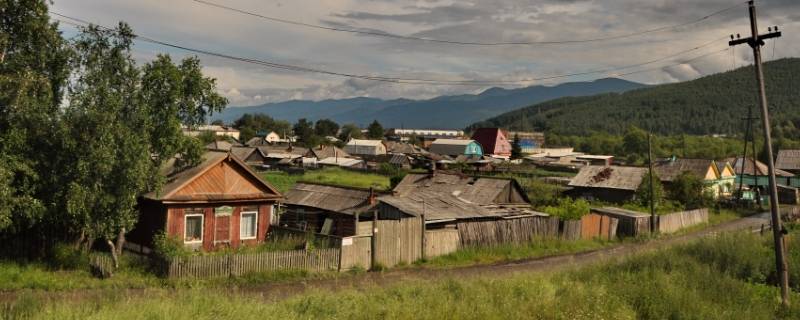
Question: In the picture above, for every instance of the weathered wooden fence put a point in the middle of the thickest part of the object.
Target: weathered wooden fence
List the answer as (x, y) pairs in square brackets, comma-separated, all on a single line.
[(397, 241), (520, 230), (356, 253), (672, 222), (441, 242), (571, 229), (239, 264)]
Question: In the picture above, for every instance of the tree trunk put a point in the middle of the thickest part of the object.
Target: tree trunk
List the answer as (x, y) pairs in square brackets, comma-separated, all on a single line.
[(116, 248), (113, 253), (120, 241), (79, 243)]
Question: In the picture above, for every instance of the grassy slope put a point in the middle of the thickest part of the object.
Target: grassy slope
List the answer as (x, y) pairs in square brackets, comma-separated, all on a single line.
[(722, 278), (284, 181)]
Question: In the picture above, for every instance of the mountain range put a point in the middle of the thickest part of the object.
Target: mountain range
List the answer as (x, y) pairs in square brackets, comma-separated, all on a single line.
[(714, 104), (444, 112)]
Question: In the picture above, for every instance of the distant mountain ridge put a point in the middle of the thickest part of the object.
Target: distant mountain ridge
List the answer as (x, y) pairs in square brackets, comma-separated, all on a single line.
[(444, 112), (713, 104)]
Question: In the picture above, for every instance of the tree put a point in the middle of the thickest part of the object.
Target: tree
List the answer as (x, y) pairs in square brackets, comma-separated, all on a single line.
[(375, 130), (326, 127), (304, 130), (690, 190), (350, 131), (516, 149), (259, 124), (643, 192)]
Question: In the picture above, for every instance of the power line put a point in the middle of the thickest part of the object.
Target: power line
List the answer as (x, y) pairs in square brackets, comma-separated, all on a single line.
[(471, 43), (83, 23), (673, 65)]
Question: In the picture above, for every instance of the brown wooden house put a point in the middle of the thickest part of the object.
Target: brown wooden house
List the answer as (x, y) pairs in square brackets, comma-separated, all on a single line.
[(219, 203)]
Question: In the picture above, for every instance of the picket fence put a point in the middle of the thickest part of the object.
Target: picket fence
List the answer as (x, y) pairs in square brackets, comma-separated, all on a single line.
[(318, 260), (672, 222)]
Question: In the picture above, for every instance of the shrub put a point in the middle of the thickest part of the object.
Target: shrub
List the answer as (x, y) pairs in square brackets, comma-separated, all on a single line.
[(65, 256), (569, 209), (169, 247)]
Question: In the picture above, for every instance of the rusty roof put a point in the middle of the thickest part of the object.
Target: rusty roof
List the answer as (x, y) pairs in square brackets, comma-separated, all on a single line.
[(611, 177)]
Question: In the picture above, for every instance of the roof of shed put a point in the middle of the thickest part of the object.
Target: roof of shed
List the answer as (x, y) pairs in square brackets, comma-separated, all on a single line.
[(478, 190), (330, 198), (669, 170), (754, 167), (245, 152), (323, 152), (788, 160), (457, 142), (612, 177), (363, 142)]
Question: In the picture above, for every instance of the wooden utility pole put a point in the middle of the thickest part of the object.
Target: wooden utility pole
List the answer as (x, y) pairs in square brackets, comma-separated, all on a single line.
[(755, 42), (748, 135), (652, 188)]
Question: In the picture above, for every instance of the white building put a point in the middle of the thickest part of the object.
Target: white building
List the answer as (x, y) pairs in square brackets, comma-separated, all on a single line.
[(365, 147), (216, 129)]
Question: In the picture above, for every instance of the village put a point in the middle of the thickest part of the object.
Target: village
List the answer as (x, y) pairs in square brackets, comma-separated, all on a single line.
[(383, 159)]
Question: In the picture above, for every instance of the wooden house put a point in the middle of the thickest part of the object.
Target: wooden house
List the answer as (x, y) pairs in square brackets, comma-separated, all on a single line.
[(494, 141), (327, 209), (607, 183), (251, 155), (754, 173), (456, 147), (365, 147), (719, 178), (788, 160), (219, 203), (396, 160), (282, 155)]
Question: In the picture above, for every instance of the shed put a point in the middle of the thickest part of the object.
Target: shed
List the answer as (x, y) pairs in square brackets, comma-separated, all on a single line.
[(251, 155), (788, 160), (456, 147), (607, 183), (219, 203), (326, 209), (365, 147), (630, 223)]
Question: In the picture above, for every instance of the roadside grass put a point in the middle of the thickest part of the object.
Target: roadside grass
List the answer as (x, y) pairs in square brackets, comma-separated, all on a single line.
[(728, 277), (510, 252), (336, 176)]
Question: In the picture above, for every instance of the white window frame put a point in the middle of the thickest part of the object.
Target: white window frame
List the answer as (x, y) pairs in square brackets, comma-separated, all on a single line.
[(202, 226), (255, 232)]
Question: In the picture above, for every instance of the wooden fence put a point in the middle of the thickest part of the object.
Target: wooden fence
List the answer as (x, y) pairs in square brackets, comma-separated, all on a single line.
[(441, 242), (672, 222), (239, 264), (520, 230), (356, 253), (397, 241), (571, 229)]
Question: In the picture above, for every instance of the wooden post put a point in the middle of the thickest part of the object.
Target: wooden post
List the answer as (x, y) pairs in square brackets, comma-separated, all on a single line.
[(424, 239), (374, 239)]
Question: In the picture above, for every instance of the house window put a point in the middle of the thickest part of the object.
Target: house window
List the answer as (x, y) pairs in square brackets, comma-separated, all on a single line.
[(193, 223), (248, 225)]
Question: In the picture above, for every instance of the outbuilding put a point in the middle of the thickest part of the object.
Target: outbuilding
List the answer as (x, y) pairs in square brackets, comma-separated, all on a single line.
[(456, 147)]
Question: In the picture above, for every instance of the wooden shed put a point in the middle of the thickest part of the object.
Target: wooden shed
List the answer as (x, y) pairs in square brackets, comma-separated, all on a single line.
[(327, 209), (629, 223), (607, 183), (219, 203)]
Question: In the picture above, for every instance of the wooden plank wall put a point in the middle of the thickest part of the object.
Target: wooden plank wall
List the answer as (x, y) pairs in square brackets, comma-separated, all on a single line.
[(672, 222), (356, 253), (318, 260), (488, 233), (571, 229), (595, 226), (398, 241), (441, 242)]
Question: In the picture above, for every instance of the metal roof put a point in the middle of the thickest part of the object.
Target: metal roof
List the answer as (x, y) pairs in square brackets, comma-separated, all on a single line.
[(330, 198), (611, 177)]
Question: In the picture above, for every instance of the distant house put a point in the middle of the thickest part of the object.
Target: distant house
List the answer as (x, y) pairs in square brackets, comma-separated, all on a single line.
[(365, 147), (718, 178), (456, 147), (788, 160), (220, 203), (327, 209), (444, 198), (607, 183), (402, 148), (756, 173), (250, 155), (324, 152), (528, 141), (222, 145), (339, 162), (597, 160), (223, 131), (395, 159), (282, 155), (494, 141)]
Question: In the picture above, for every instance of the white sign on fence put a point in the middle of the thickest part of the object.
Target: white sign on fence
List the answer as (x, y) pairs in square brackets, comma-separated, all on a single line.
[(347, 242)]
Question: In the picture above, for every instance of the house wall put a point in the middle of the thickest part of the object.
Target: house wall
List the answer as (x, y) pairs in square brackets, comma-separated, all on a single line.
[(304, 218), (175, 224), (152, 221)]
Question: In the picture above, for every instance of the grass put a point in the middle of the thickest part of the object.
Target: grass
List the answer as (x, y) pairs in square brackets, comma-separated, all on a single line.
[(728, 277), (336, 176), (511, 252)]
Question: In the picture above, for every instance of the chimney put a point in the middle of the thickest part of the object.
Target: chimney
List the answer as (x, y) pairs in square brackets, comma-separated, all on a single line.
[(372, 199)]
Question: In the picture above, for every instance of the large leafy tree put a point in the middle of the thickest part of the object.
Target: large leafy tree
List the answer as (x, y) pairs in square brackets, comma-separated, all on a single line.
[(326, 127), (250, 125), (690, 190), (375, 130)]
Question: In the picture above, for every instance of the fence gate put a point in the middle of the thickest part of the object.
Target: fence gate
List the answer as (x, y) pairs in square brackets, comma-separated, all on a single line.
[(398, 241)]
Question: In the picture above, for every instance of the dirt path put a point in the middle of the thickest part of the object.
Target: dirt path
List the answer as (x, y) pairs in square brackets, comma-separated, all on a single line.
[(280, 291)]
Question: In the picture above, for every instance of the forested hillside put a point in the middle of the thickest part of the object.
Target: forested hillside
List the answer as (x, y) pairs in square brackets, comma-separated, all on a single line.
[(713, 104)]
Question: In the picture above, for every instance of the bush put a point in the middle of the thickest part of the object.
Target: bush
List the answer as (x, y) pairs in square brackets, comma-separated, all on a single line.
[(569, 209), (169, 247), (65, 256)]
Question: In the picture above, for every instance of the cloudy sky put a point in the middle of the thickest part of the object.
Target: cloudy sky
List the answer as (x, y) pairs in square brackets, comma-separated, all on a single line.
[(201, 26)]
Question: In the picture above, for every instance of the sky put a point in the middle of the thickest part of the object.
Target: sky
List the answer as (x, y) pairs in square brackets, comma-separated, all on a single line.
[(196, 25)]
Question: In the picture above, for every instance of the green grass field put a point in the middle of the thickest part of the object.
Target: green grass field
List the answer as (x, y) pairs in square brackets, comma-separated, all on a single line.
[(511, 252), (727, 277), (284, 181)]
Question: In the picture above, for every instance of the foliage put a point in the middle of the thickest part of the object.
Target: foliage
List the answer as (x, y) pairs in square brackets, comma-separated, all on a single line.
[(326, 127), (250, 125), (68, 257), (336, 176), (645, 192), (568, 209), (375, 130), (511, 252), (690, 190), (166, 246), (350, 131)]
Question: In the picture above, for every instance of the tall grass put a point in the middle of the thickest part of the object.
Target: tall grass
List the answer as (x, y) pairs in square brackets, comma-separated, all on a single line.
[(510, 252), (336, 176)]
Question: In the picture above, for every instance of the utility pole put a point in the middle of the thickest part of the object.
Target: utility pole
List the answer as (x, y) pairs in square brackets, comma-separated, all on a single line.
[(652, 188), (748, 135), (755, 42)]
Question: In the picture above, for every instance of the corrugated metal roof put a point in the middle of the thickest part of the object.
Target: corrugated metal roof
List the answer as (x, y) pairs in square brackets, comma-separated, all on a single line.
[(612, 177), (788, 160), (331, 198)]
